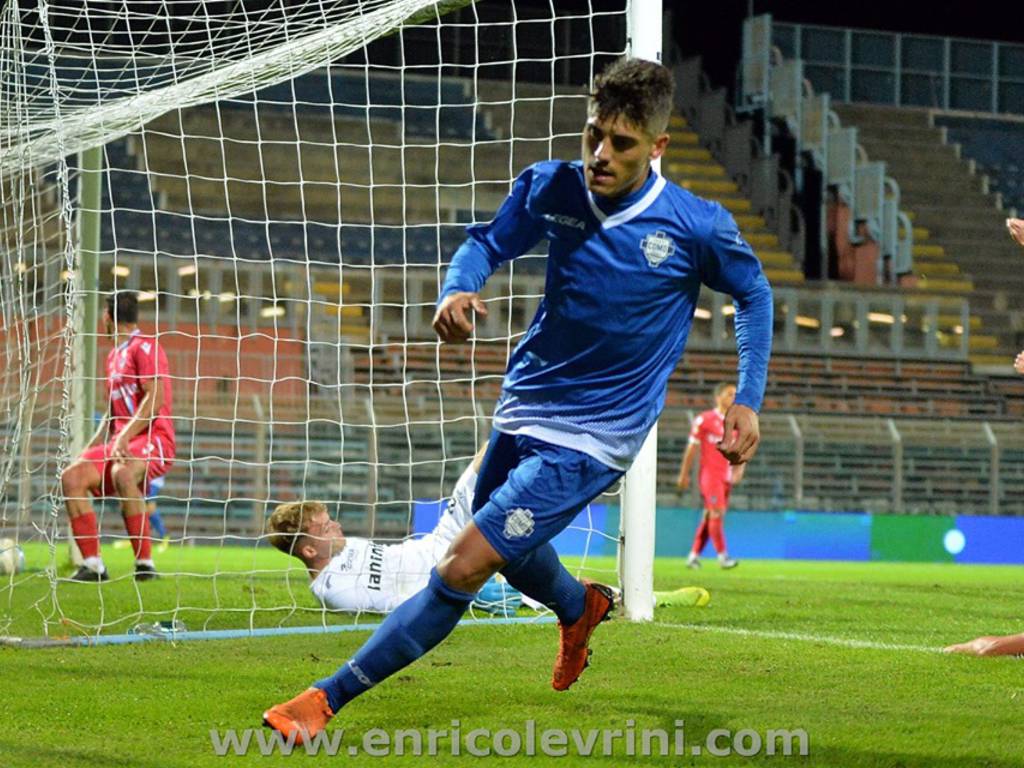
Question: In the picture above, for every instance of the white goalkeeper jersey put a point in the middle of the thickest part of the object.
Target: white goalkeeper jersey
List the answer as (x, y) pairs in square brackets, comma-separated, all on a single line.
[(374, 577)]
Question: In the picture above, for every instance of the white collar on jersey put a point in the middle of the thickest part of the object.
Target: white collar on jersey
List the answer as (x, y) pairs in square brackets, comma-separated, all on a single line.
[(607, 222), (131, 336)]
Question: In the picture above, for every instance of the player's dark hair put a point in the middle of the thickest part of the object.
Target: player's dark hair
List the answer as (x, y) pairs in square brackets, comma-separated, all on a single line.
[(123, 306), (721, 387), (638, 90)]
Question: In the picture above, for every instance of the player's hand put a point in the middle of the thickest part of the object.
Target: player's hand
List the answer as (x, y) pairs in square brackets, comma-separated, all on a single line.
[(119, 450), (742, 434), (453, 320), (1016, 228), (737, 474), (1018, 364), (683, 482), (980, 646)]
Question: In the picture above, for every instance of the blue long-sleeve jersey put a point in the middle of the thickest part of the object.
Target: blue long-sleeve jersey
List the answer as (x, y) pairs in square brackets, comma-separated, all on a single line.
[(623, 277)]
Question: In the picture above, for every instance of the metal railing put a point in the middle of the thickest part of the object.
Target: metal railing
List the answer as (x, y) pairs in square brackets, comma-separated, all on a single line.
[(874, 464), (906, 70), (826, 320), (781, 89)]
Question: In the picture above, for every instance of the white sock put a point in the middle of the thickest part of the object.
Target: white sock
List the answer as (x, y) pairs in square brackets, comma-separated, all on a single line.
[(145, 562), (692, 557), (94, 564), (723, 556)]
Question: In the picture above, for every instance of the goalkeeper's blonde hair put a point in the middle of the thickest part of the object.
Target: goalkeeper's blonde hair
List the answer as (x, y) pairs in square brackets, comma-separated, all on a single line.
[(289, 521)]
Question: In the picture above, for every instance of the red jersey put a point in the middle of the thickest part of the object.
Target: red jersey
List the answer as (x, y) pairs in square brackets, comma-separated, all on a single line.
[(129, 364), (708, 431)]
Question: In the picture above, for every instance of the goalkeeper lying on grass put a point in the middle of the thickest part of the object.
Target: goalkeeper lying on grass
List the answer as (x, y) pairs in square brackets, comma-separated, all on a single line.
[(355, 574)]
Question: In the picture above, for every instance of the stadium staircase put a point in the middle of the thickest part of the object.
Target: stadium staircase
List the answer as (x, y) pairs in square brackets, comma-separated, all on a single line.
[(692, 166), (960, 243)]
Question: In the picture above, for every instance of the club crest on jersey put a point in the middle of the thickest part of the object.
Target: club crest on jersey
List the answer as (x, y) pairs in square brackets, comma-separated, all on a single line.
[(657, 247), (518, 523)]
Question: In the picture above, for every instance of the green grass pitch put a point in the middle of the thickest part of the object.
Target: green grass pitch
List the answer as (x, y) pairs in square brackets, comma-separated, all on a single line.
[(843, 651)]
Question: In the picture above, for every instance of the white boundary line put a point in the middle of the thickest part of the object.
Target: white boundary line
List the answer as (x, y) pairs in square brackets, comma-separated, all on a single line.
[(844, 642)]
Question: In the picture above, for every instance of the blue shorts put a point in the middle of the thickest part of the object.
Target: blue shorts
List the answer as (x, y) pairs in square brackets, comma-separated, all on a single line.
[(528, 491)]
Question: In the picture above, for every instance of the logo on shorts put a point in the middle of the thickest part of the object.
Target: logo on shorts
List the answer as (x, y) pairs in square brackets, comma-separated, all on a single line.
[(657, 247), (518, 523)]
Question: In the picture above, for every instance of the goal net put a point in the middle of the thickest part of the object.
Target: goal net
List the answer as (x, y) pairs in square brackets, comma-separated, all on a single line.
[(284, 185)]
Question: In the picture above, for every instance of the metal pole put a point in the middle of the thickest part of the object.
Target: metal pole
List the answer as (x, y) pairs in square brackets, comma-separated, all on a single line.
[(89, 203), (993, 469), (86, 298), (897, 466), (798, 459), (639, 487), (261, 489)]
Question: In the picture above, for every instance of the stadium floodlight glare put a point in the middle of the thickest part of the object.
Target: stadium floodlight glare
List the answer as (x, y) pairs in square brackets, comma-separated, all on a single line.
[(289, 188)]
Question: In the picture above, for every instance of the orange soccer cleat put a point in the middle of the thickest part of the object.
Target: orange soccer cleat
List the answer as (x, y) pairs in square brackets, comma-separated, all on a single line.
[(305, 715), (573, 653)]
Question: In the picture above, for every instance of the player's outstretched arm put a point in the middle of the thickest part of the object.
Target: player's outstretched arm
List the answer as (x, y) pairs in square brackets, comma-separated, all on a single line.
[(150, 406), (453, 320), (991, 645), (511, 233), (731, 267)]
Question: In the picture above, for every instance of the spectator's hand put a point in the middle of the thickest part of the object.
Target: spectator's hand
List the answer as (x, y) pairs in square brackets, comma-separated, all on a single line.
[(1018, 364), (683, 482), (453, 320), (743, 433), (1016, 227)]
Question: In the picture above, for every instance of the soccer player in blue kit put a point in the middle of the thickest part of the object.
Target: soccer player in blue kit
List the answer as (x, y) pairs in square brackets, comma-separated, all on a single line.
[(628, 253)]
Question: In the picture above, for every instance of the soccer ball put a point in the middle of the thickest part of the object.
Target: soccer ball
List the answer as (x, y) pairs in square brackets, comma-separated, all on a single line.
[(12, 558)]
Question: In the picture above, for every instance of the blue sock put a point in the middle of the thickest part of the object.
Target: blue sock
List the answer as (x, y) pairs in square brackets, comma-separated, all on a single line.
[(157, 524), (540, 574), (412, 629)]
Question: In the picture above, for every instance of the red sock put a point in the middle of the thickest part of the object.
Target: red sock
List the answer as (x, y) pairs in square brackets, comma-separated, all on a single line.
[(86, 534), (700, 540), (138, 530), (717, 534)]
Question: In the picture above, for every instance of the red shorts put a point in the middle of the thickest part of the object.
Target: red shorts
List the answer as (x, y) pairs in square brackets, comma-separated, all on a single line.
[(715, 494), (156, 450)]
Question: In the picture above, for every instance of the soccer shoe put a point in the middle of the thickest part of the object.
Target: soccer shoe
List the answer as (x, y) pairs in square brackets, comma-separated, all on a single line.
[(145, 572), (573, 653), (85, 574), (728, 563), (305, 715), (690, 596), (693, 563)]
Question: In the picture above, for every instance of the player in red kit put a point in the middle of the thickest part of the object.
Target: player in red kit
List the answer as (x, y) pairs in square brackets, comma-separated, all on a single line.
[(717, 476), (134, 444)]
